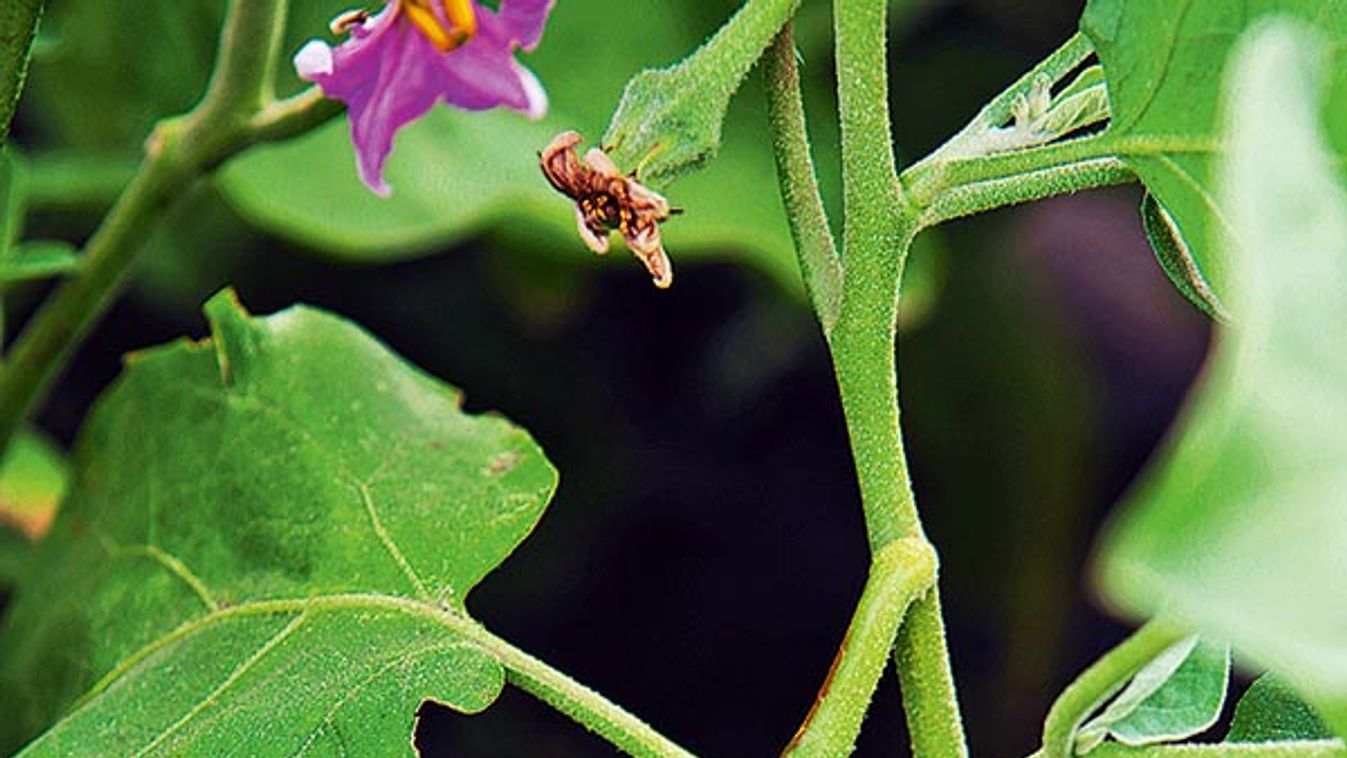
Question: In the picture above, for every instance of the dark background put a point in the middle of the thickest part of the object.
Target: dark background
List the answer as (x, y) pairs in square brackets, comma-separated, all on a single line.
[(703, 553)]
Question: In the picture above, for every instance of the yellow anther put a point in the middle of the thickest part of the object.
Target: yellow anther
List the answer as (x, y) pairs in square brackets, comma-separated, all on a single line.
[(462, 22)]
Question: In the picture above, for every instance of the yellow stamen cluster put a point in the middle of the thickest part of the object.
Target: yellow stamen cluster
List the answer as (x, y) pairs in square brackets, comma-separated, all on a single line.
[(462, 21)]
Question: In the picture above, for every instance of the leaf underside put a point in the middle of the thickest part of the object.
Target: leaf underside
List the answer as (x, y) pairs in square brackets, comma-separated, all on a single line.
[(1162, 60)]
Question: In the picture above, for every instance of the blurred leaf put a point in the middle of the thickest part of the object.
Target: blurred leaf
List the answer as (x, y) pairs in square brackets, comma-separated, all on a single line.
[(18, 25), (1175, 696), (37, 260), (1162, 62), (267, 548), (1241, 528), (32, 481), (1270, 711), (1176, 258), (455, 173), (117, 66), (13, 198)]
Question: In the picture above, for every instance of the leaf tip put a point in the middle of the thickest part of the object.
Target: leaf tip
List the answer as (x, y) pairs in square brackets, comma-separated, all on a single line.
[(232, 332)]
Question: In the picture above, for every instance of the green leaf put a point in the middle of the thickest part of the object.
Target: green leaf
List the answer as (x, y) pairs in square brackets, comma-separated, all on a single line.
[(266, 550), (37, 260), (18, 27), (1175, 696), (1270, 711), (1240, 528), (32, 482), (1176, 258), (1162, 60)]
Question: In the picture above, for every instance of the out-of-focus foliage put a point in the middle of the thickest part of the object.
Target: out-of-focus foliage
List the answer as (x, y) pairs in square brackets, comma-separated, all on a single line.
[(1241, 529), (454, 174), (1163, 69), (267, 548)]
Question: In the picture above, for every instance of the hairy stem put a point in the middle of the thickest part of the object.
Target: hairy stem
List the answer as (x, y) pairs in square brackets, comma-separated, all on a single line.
[(236, 112), (899, 573), (1099, 682), (880, 225), (819, 262), (582, 704)]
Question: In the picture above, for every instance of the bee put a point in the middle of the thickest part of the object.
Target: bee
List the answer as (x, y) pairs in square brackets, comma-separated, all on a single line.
[(607, 200)]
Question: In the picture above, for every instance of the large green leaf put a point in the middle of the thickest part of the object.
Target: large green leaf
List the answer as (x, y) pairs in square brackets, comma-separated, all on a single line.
[(1241, 528), (1175, 696), (266, 551), (1163, 63)]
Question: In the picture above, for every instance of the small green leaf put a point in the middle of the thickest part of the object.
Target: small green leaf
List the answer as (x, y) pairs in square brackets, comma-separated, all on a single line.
[(1270, 711), (668, 121), (37, 260), (1175, 696), (1176, 258), (1241, 527), (266, 550), (1163, 62), (32, 482)]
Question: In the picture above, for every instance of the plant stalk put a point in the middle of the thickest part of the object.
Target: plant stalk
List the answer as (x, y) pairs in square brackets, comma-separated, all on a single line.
[(236, 112), (1099, 682)]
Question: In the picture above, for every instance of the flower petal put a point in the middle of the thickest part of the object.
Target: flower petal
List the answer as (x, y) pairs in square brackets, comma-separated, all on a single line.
[(518, 21), (387, 76)]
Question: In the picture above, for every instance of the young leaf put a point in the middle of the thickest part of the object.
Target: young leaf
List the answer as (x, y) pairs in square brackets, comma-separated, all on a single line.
[(1163, 61), (266, 550), (32, 482), (1175, 696), (1176, 258), (1270, 711), (1241, 527)]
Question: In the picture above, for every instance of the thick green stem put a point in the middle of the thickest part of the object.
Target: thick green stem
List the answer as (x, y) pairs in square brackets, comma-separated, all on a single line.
[(236, 112), (899, 574), (1099, 682), (880, 225), (819, 261)]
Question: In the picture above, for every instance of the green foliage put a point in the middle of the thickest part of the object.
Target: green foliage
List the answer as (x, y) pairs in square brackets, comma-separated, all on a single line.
[(266, 549), (454, 174), (18, 27), (1270, 711), (40, 259), (1240, 528), (668, 122), (1177, 695), (32, 482), (1163, 64)]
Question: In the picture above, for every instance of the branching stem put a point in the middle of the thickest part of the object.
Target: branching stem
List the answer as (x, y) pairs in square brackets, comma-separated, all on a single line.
[(237, 111)]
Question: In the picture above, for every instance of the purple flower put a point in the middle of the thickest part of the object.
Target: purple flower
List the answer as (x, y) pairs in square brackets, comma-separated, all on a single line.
[(398, 63)]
